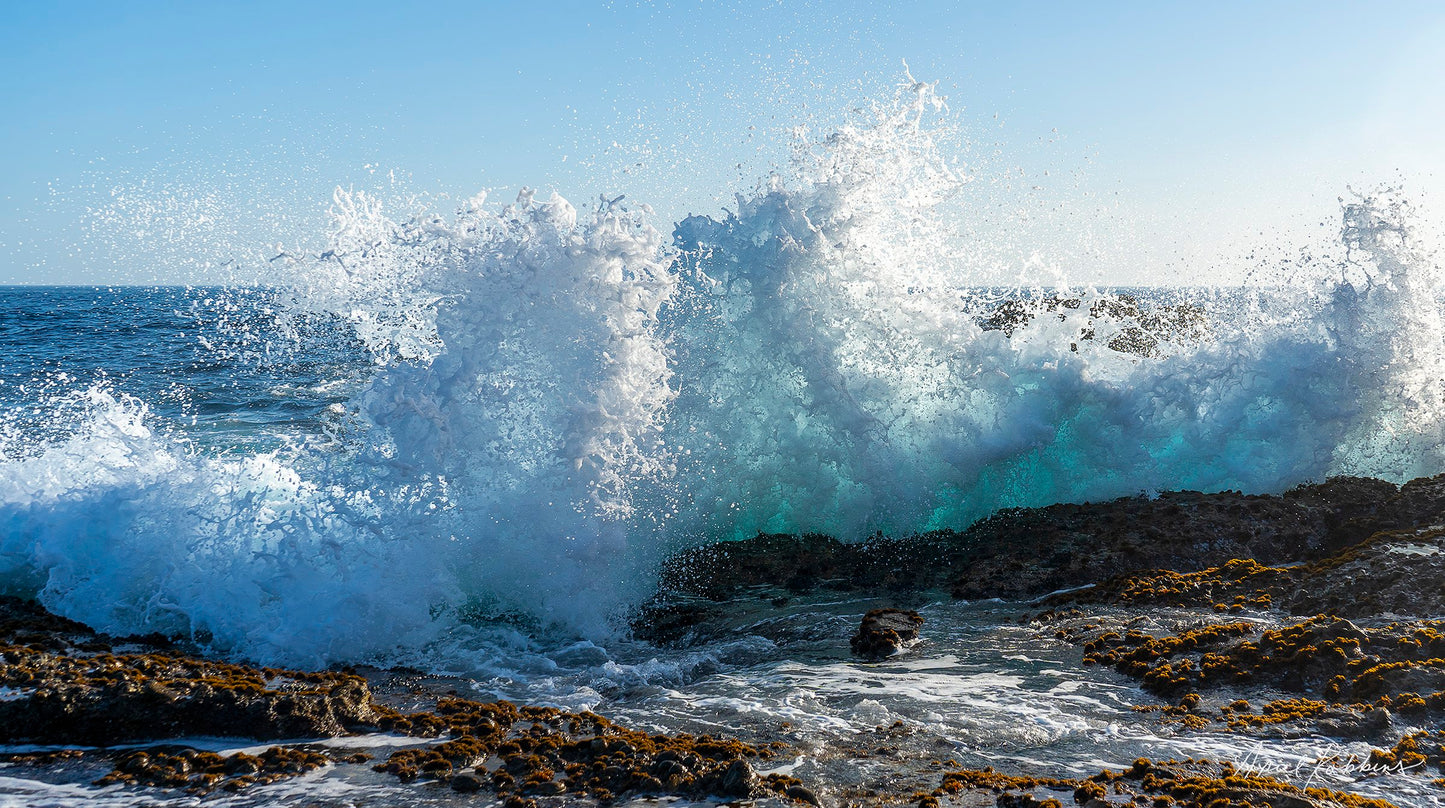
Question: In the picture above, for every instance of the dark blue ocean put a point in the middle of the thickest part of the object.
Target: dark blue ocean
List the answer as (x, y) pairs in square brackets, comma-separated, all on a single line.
[(208, 362)]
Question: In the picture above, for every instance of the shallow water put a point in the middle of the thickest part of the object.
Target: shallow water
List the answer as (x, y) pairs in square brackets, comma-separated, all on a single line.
[(981, 689)]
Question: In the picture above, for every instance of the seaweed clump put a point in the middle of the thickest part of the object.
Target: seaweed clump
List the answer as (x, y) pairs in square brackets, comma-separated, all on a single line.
[(1389, 572), (1400, 665), (524, 752), (104, 698), (1417, 750), (201, 772), (1164, 784)]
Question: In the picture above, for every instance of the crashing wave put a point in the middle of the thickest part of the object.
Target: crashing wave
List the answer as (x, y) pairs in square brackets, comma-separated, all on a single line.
[(559, 400)]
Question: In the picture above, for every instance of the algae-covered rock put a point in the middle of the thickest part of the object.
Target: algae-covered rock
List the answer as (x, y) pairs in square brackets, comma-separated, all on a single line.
[(1395, 572), (67, 686), (543, 752), (1028, 552), (1185, 784), (104, 699)]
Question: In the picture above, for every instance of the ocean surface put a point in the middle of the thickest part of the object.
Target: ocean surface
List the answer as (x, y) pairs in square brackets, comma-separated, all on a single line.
[(464, 441)]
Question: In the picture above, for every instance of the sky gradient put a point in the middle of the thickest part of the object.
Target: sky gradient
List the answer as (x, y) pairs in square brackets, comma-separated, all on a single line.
[(151, 142)]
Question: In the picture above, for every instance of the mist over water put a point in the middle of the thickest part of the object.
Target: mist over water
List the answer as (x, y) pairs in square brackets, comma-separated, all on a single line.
[(544, 400)]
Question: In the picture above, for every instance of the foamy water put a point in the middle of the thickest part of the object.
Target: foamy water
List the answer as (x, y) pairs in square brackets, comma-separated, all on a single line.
[(977, 691)]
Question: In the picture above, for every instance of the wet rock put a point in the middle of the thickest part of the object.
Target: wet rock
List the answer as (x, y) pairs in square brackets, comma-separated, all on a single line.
[(737, 779), (1011, 800), (25, 622), (547, 752), (674, 618), (58, 692), (885, 632), (72, 688), (551, 788), (803, 794), (1349, 680), (1353, 723), (467, 783), (242, 763), (1036, 551), (205, 771), (1027, 552), (104, 699), (1188, 784), (1395, 572)]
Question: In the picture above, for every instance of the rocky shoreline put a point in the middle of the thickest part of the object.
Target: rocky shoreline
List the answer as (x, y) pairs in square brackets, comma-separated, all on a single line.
[(1315, 612), (1323, 604), (1023, 554), (65, 685)]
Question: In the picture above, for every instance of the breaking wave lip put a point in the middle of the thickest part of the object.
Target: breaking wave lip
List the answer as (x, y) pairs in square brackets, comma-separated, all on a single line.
[(560, 399)]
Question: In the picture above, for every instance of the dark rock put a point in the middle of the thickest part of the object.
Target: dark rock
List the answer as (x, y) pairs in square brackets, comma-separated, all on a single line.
[(1027, 552), (1397, 572), (738, 779), (24, 621), (114, 698), (202, 772), (1346, 723), (673, 619), (885, 632), (551, 788), (1012, 800), (135, 763), (467, 783), (803, 794)]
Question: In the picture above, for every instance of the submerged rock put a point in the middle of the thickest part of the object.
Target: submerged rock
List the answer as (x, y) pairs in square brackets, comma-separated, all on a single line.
[(467, 783), (885, 632)]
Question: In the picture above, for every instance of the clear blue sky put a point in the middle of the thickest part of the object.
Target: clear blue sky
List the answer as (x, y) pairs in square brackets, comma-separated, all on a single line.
[(143, 140)]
